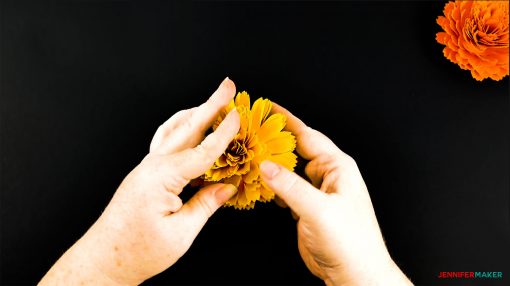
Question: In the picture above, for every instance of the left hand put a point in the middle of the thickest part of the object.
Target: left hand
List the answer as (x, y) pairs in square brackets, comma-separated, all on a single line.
[(146, 228)]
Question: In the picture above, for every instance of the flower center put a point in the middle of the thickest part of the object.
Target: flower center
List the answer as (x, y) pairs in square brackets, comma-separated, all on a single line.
[(238, 148), (237, 153)]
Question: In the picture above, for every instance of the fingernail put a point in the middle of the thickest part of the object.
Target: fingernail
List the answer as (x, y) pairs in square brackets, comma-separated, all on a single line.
[(269, 169), (224, 193), (226, 82), (232, 111)]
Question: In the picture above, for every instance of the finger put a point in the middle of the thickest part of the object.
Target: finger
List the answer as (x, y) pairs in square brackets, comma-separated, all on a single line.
[(281, 203), (194, 162), (317, 169), (294, 215), (298, 194), (191, 130), (166, 128), (195, 213), (208, 111), (310, 142), (171, 202)]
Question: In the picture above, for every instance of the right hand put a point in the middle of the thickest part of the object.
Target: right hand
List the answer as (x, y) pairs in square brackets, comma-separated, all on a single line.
[(338, 235)]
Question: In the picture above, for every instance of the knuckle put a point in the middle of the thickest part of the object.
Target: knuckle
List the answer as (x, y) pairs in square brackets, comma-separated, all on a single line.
[(349, 161), (160, 130), (205, 206), (179, 114), (202, 151), (174, 183), (187, 124), (159, 135), (184, 113), (309, 131), (290, 182), (175, 203), (176, 119)]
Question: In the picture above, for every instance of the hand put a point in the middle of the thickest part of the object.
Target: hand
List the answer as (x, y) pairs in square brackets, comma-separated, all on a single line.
[(338, 234), (146, 228)]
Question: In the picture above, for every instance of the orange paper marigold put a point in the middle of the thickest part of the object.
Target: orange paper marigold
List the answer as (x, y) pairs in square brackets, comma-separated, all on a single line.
[(476, 37), (261, 137)]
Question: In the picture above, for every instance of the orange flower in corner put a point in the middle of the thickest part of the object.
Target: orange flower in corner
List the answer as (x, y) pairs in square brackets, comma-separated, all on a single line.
[(476, 37), (261, 137)]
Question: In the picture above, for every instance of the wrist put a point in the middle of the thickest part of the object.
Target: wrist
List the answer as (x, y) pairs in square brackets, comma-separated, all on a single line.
[(390, 274), (107, 251), (374, 272), (77, 267), (92, 256)]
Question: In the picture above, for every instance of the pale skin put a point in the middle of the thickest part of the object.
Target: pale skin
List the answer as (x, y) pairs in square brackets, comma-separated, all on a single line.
[(338, 235), (146, 227)]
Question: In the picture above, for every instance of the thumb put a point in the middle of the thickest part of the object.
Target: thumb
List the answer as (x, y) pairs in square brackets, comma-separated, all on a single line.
[(195, 212), (298, 194)]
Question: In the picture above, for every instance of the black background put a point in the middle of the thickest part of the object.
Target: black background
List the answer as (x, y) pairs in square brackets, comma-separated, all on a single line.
[(85, 84)]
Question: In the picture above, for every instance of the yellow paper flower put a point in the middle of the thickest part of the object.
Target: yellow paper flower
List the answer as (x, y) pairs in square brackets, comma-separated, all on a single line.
[(261, 137)]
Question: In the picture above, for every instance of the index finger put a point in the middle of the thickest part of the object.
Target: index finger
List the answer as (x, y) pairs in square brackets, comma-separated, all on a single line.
[(194, 162), (205, 114), (185, 130), (310, 142)]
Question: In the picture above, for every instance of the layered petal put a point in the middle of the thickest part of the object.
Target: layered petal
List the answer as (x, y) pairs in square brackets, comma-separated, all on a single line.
[(476, 37), (260, 137)]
